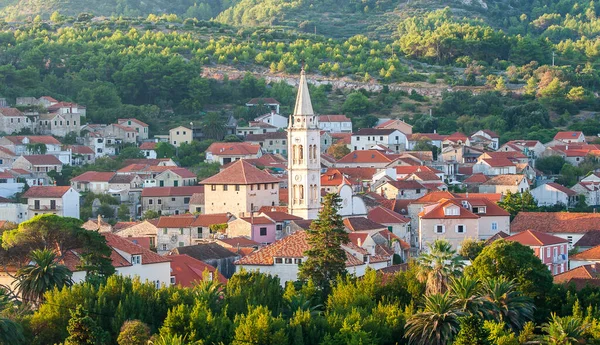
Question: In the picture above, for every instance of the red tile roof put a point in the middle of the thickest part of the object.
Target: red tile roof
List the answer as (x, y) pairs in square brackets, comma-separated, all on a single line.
[(46, 191), (241, 172), (367, 156), (567, 135), (362, 224), (505, 180), (205, 220), (143, 124), (171, 191), (94, 176), (148, 145), (189, 271), (426, 136), (182, 172), (42, 160), (434, 197), (7, 151), (438, 211), (582, 275), (498, 162), (81, 149), (592, 254), (34, 139), (237, 242), (423, 176), (360, 174), (120, 243), (49, 99), (382, 215), (12, 112), (180, 221), (493, 197), (333, 118), (257, 220), (535, 238), (407, 170), (457, 136), (233, 149), (562, 188), (333, 178), (406, 184), (476, 178), (279, 216), (556, 222)]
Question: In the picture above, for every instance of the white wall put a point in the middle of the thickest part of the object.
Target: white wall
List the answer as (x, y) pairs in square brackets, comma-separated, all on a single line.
[(70, 204)]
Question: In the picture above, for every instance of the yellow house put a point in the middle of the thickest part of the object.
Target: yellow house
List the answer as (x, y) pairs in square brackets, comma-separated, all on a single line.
[(179, 135)]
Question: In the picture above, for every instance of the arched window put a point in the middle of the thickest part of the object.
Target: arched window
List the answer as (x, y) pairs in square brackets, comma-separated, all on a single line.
[(301, 193), (301, 154), (295, 193), (314, 148)]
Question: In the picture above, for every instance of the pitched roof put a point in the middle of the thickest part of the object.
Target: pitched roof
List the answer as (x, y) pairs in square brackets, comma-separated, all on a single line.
[(180, 221), (434, 197), (476, 178), (334, 118), (171, 191), (189, 271), (374, 131), (535, 238), (279, 216), (46, 191), (233, 149), (582, 275), (383, 215), (567, 135), (556, 222), (257, 220), (491, 208), (143, 124), (407, 170), (205, 251), (424, 176), (562, 188), (303, 106), (592, 254), (362, 224), (438, 211), (120, 243), (81, 149), (148, 145), (238, 242), (241, 172), (492, 134), (7, 151), (426, 136), (505, 180), (493, 197), (589, 239), (42, 160), (497, 236), (94, 176), (34, 139), (367, 156), (406, 184), (498, 162), (11, 112)]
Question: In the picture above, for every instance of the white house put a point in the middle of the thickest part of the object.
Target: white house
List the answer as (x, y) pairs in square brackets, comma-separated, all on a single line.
[(485, 136), (335, 123), (149, 149), (570, 137), (59, 200), (367, 138), (551, 194), (273, 119), (505, 183)]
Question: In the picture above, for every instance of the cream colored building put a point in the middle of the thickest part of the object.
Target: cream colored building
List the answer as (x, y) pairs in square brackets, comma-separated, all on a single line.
[(240, 189), (179, 135), (62, 201)]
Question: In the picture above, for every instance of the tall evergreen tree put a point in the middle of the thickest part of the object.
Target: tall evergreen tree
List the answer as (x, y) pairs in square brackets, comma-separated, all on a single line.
[(326, 258), (83, 330)]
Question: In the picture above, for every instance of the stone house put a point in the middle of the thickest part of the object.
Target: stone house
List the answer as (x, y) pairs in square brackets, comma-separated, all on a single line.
[(396, 124), (168, 200), (505, 183), (335, 123), (12, 120), (175, 231), (92, 181), (140, 127), (258, 229), (62, 201), (176, 177), (550, 194), (274, 142), (224, 153), (39, 165), (367, 138)]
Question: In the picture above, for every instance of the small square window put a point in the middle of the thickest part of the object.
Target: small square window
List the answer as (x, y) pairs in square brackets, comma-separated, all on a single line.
[(213, 187), (439, 229), (278, 260), (237, 187), (263, 231)]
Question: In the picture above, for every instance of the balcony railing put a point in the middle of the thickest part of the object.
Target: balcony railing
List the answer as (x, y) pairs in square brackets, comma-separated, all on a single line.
[(44, 208)]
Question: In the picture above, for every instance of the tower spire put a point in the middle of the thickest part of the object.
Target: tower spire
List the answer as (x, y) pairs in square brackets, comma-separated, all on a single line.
[(303, 104)]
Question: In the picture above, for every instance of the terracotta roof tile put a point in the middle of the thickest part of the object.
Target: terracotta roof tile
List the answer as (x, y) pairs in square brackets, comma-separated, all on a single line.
[(149, 145), (383, 215), (362, 224), (11, 112), (505, 180), (34, 139), (334, 118), (406, 184), (580, 276), (180, 221), (407, 170), (476, 178), (590, 239), (535, 238), (189, 271), (94, 176), (279, 216), (171, 191), (241, 172), (556, 222), (592, 254), (233, 149), (438, 212), (257, 220), (562, 188), (238, 242), (426, 136), (42, 160), (567, 135), (206, 220), (46, 191), (120, 243), (434, 197), (121, 121), (367, 156)]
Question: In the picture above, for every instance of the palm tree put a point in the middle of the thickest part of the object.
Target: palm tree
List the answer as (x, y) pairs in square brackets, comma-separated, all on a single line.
[(438, 265), (437, 323), (41, 275), (566, 330), (509, 305), (468, 294), (10, 331), (209, 291), (299, 302), (213, 126)]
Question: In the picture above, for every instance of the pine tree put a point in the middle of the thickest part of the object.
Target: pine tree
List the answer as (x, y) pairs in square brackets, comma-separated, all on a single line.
[(326, 258), (471, 332), (83, 330)]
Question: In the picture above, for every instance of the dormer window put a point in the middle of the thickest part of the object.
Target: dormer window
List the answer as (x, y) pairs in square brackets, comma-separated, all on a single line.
[(451, 211), (136, 259)]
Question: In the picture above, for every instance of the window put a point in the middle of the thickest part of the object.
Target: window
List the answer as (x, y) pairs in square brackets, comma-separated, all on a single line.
[(164, 247), (181, 231), (279, 227), (570, 239), (418, 191), (164, 231), (159, 201), (263, 231), (186, 200), (181, 244), (562, 251), (381, 138), (547, 252), (258, 186), (460, 229), (251, 187), (278, 260), (157, 284), (390, 228), (297, 261), (237, 187), (494, 226), (224, 187), (172, 199), (136, 259), (439, 229), (150, 201), (288, 261), (213, 187)]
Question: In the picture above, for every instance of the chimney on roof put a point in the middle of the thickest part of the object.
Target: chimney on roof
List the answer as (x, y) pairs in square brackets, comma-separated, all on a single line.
[(99, 220)]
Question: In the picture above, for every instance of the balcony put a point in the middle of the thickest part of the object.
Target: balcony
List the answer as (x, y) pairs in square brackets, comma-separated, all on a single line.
[(43, 208), (559, 259)]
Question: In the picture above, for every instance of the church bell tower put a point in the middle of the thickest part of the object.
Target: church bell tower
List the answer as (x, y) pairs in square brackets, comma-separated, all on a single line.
[(304, 157)]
